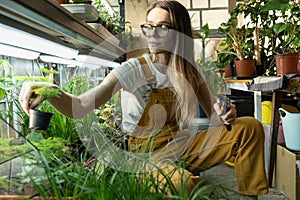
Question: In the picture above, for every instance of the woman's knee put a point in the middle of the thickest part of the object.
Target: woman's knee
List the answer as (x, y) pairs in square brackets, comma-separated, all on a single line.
[(252, 126)]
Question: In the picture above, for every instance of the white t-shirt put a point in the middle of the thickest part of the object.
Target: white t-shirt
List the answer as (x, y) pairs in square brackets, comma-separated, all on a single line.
[(135, 92)]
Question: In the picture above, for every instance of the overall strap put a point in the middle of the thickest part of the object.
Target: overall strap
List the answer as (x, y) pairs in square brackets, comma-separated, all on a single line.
[(147, 72)]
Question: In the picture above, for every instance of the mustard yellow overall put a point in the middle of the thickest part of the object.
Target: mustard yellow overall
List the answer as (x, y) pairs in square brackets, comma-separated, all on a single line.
[(158, 127)]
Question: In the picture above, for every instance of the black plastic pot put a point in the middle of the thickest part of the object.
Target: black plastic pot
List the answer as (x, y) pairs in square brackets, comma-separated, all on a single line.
[(39, 120)]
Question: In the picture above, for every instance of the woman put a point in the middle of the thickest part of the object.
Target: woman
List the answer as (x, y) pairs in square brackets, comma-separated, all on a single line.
[(160, 97)]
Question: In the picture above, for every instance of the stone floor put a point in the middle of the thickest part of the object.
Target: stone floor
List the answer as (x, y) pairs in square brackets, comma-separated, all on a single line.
[(224, 175)]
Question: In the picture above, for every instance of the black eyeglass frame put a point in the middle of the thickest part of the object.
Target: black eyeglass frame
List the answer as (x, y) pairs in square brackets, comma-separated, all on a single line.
[(155, 27)]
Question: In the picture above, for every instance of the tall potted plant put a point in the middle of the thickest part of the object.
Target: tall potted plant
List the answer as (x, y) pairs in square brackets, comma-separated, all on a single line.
[(241, 44), (225, 60), (286, 30)]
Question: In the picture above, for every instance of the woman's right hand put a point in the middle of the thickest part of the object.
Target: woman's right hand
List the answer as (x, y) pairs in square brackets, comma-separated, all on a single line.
[(28, 99)]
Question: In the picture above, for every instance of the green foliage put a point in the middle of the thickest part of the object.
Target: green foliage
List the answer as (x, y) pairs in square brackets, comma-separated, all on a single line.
[(3, 182), (35, 78), (48, 71), (61, 125), (287, 29), (224, 57), (239, 39), (46, 92), (6, 78), (204, 32), (9, 93), (128, 39), (10, 147), (114, 22), (278, 27), (109, 118), (76, 86), (101, 182)]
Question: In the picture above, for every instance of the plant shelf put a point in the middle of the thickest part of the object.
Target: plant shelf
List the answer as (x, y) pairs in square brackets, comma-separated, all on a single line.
[(86, 12)]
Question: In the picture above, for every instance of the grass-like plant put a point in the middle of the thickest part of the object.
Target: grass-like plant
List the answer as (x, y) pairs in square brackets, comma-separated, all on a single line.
[(100, 182)]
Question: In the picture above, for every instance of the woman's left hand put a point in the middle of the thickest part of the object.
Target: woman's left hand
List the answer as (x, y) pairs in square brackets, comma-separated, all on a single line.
[(227, 117), (230, 116)]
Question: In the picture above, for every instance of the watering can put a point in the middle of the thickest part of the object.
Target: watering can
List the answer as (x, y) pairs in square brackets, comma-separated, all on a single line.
[(291, 129)]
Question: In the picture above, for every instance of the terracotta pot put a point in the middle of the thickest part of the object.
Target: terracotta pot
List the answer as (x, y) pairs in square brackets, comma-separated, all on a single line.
[(287, 64), (39, 120), (244, 68), (227, 71), (80, 1), (62, 1)]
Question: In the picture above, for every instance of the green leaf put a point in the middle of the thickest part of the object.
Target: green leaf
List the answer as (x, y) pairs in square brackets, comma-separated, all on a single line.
[(47, 93), (204, 32), (35, 136), (1, 93), (279, 27), (275, 5)]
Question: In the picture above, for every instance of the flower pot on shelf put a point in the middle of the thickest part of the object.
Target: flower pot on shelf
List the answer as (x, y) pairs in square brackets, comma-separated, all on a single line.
[(244, 68), (286, 64), (62, 1), (227, 71), (39, 120), (86, 12)]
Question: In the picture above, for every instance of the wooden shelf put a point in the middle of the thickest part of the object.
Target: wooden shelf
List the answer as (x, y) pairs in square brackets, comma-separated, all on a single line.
[(48, 19)]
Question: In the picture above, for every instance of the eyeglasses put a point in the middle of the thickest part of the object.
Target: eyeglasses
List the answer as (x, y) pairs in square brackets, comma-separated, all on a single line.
[(161, 30)]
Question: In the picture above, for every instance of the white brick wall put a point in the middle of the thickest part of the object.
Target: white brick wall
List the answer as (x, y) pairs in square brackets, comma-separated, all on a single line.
[(200, 4), (213, 12), (214, 18)]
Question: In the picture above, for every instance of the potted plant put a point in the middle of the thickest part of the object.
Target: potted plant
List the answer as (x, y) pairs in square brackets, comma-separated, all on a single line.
[(240, 44), (286, 31), (275, 23), (39, 120), (225, 60)]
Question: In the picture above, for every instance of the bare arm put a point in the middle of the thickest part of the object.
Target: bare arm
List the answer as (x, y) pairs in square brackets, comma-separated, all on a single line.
[(68, 104)]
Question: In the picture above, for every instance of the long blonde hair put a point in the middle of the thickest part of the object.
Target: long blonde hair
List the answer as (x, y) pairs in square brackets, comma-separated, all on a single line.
[(182, 68)]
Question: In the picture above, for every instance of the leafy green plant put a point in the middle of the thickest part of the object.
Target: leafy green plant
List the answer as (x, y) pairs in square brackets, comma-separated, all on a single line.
[(9, 93), (109, 118), (224, 57), (240, 39), (44, 92), (286, 28), (114, 22), (275, 24), (47, 93), (10, 147), (99, 181), (128, 39), (6, 78)]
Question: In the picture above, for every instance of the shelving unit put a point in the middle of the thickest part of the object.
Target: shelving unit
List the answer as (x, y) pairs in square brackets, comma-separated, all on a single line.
[(51, 21)]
